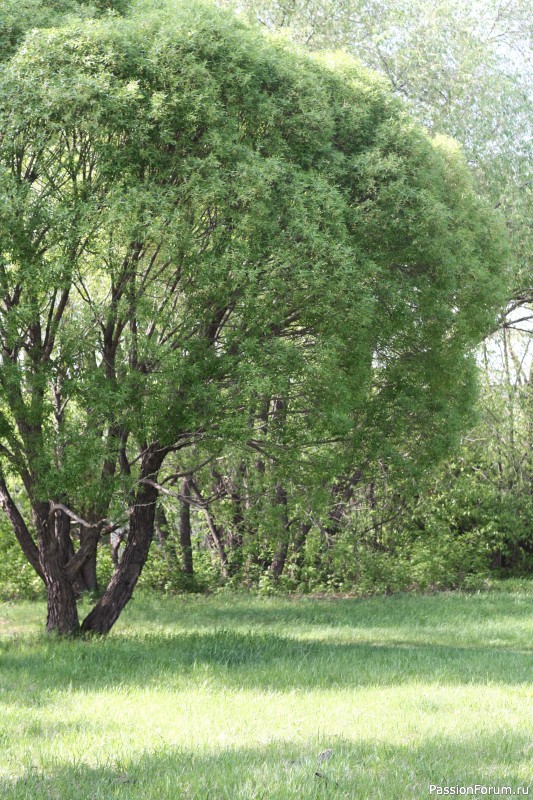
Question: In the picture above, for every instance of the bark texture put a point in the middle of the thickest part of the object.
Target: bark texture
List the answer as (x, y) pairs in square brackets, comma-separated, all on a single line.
[(282, 547), (87, 572), (141, 530), (55, 548)]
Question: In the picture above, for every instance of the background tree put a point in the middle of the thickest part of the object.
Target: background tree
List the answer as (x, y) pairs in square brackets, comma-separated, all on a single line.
[(464, 69)]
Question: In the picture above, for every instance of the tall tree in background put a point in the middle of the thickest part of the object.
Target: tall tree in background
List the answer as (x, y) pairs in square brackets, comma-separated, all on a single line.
[(464, 69)]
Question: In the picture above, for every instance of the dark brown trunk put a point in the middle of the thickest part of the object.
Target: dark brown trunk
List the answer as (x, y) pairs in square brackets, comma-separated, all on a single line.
[(141, 530), (88, 570), (56, 549), (185, 528), (282, 548), (89, 576), (77, 578), (20, 529), (62, 610)]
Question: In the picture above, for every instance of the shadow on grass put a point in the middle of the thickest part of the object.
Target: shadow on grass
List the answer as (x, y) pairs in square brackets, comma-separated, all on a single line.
[(286, 770), (31, 668), (397, 611)]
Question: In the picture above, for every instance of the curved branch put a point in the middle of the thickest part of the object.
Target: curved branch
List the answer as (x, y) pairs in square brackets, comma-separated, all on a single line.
[(24, 537)]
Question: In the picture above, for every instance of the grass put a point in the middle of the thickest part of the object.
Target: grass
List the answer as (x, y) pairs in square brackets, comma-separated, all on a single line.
[(236, 697)]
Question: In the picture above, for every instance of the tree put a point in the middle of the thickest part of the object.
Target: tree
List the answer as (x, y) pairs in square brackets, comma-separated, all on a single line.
[(463, 68), (195, 223)]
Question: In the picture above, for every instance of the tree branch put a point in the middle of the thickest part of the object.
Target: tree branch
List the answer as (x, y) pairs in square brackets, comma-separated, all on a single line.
[(24, 537)]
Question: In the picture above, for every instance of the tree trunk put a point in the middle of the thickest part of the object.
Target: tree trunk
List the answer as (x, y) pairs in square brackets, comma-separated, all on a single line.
[(87, 573), (61, 607), (56, 547), (165, 542), (299, 543), (217, 538), (24, 537), (185, 528), (238, 522), (282, 548), (342, 492), (161, 528), (141, 530), (216, 532)]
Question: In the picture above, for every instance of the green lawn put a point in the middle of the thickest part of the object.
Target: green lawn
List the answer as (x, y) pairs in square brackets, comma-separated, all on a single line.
[(235, 697)]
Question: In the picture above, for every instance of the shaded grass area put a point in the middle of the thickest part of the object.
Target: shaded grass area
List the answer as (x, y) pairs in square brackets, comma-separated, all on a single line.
[(236, 697)]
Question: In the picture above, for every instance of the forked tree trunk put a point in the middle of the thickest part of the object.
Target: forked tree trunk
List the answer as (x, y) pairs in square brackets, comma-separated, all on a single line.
[(141, 530), (89, 576), (55, 548)]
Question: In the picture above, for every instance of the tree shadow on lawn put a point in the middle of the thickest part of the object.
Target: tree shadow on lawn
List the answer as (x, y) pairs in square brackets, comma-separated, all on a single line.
[(31, 668), (401, 611), (286, 770)]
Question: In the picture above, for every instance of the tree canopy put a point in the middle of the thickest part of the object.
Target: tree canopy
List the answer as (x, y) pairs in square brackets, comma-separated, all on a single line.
[(463, 68)]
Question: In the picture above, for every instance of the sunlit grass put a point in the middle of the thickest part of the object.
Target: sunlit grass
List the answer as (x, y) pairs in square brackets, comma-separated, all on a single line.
[(236, 697)]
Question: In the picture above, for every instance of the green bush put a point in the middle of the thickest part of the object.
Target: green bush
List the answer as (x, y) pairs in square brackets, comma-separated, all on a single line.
[(18, 580)]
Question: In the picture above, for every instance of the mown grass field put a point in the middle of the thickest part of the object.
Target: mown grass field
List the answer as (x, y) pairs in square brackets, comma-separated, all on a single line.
[(236, 697)]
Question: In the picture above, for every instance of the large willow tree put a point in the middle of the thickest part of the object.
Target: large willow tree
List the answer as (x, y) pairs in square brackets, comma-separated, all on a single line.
[(192, 219)]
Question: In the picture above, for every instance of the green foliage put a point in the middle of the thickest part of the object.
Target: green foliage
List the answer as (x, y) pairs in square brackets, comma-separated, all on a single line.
[(17, 577), (18, 17), (463, 68), (163, 574), (373, 235)]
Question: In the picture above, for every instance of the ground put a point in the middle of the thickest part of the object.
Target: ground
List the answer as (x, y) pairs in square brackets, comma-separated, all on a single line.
[(242, 697)]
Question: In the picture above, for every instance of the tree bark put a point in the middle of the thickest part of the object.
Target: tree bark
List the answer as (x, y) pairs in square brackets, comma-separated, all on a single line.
[(282, 548), (161, 528), (87, 572), (342, 492), (166, 543), (24, 537), (185, 528), (217, 537), (237, 531), (141, 530), (61, 606), (55, 548)]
